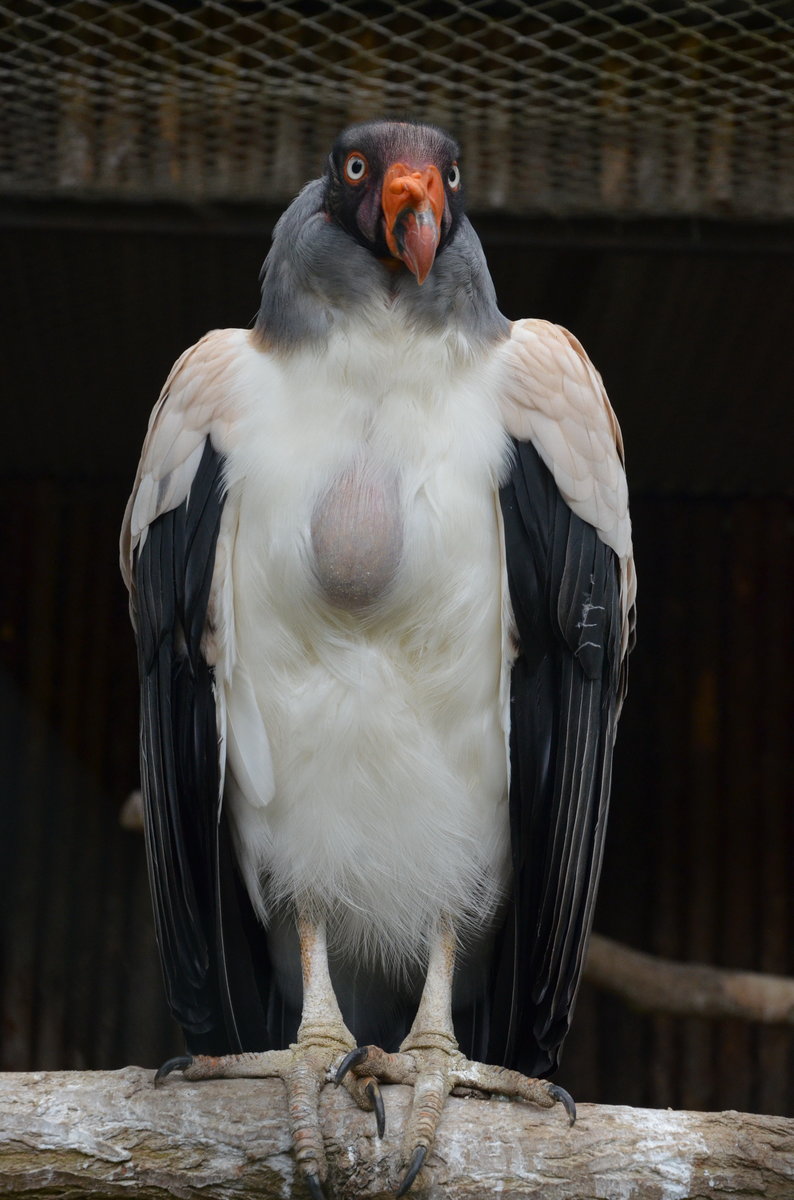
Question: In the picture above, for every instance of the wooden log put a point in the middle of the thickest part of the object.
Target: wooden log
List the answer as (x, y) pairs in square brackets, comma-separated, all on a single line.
[(111, 1133)]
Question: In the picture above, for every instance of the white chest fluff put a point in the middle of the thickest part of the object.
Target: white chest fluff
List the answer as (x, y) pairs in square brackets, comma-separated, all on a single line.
[(368, 598)]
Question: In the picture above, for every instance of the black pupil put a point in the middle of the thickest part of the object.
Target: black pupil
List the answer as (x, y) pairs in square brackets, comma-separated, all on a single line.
[(356, 166)]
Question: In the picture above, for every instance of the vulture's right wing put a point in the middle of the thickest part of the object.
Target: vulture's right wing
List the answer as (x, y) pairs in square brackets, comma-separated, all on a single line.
[(176, 556)]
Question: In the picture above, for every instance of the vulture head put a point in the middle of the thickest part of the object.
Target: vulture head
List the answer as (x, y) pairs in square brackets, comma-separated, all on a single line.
[(396, 188), (386, 216)]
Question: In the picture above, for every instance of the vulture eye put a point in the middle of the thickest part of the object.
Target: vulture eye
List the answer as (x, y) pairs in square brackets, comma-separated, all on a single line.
[(453, 177), (356, 167)]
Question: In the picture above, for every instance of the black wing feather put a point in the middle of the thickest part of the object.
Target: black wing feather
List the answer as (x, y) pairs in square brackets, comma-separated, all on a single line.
[(566, 688), (212, 950)]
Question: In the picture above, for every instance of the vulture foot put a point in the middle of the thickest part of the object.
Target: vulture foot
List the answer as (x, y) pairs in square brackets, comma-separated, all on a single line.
[(304, 1068), (434, 1066)]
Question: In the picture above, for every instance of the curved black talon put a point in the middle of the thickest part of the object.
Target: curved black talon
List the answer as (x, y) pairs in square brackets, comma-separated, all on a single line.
[(315, 1187), (565, 1099), (373, 1091), (173, 1064), (417, 1162), (351, 1059)]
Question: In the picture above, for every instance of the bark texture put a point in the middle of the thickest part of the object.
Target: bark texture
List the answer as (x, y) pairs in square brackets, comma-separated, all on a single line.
[(110, 1133)]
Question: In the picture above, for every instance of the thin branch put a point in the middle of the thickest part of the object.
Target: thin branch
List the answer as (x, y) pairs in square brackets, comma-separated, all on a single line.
[(688, 989)]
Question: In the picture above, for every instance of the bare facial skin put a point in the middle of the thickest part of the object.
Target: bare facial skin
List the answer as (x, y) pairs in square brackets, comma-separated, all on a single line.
[(357, 536)]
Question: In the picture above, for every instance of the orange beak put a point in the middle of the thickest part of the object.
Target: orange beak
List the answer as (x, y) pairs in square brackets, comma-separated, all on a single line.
[(413, 204)]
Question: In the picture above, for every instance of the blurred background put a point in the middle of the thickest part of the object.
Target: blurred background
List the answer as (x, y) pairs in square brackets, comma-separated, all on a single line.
[(630, 168)]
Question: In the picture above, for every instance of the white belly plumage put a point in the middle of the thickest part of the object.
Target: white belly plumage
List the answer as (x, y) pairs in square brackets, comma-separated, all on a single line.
[(368, 626)]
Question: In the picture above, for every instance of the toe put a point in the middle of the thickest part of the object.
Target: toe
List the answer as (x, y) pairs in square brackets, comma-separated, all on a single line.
[(303, 1083), (430, 1093), (367, 1094), (433, 1084)]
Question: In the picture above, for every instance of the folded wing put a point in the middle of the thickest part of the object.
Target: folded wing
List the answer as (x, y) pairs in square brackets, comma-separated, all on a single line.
[(571, 583), (176, 554)]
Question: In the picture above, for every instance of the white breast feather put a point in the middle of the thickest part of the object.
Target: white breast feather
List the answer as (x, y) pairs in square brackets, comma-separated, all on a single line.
[(365, 745), (388, 800)]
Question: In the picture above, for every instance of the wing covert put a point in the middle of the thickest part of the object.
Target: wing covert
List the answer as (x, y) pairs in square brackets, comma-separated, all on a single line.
[(197, 402), (554, 397)]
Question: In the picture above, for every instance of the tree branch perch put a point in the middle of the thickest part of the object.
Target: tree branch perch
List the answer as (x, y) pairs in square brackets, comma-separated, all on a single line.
[(660, 985), (110, 1133)]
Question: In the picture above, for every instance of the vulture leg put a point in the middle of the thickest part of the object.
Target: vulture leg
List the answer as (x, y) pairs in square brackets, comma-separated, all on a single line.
[(305, 1066), (430, 1061)]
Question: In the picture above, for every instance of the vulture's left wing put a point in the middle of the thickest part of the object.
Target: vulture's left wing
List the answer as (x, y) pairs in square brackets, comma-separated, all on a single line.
[(176, 554), (571, 583)]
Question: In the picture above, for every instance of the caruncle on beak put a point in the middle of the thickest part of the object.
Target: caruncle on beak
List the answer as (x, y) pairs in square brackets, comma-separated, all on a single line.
[(413, 203)]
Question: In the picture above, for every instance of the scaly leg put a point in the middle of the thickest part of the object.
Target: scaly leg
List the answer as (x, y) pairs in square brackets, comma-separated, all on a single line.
[(305, 1066), (431, 1062)]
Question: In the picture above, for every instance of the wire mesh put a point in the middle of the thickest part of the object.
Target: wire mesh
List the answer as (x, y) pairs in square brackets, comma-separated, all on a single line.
[(562, 107)]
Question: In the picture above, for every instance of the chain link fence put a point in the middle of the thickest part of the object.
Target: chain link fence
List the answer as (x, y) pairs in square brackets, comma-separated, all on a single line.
[(568, 108)]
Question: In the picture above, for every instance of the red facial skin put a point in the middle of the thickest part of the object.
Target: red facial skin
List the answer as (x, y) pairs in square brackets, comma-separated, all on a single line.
[(413, 204)]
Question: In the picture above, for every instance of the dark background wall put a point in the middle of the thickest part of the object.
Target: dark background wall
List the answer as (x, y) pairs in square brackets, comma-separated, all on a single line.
[(691, 327)]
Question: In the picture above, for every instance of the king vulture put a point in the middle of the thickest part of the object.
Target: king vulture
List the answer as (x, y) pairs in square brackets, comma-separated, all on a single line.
[(379, 559)]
